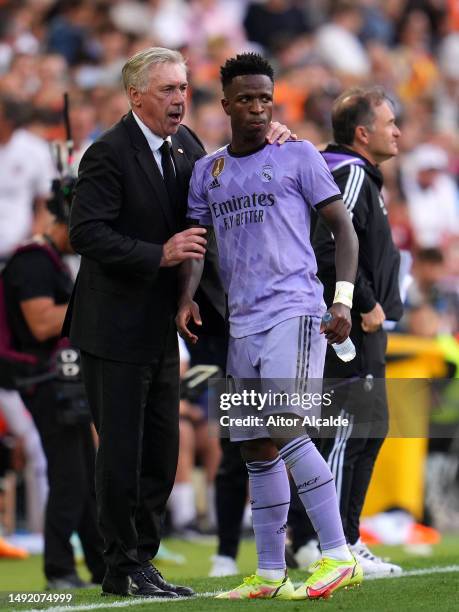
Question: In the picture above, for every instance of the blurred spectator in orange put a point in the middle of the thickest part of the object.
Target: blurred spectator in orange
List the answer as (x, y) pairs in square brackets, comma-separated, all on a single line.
[(453, 14), (205, 64), (416, 68)]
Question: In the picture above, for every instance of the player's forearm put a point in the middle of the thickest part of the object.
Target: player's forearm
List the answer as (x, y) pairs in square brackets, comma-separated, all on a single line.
[(189, 274), (347, 253), (346, 241)]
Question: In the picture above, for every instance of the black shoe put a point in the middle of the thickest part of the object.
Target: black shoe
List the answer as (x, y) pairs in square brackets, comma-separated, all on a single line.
[(69, 581), (136, 584), (155, 577)]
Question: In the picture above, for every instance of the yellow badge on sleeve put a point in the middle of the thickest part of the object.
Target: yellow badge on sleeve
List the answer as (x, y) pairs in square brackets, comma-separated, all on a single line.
[(218, 166)]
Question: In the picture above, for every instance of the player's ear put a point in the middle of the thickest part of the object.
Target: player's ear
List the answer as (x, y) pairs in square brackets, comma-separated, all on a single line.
[(225, 104)]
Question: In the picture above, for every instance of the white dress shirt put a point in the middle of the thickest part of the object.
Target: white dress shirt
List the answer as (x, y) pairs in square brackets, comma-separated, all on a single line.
[(154, 142)]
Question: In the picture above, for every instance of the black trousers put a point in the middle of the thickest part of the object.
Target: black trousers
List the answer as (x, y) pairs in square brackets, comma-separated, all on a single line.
[(135, 409), (230, 497), (71, 506), (351, 452)]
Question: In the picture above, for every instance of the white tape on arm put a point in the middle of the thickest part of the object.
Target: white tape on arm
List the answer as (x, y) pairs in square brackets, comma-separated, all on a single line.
[(344, 292)]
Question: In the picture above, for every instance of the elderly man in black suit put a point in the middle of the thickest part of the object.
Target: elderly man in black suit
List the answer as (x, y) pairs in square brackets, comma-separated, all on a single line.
[(127, 222)]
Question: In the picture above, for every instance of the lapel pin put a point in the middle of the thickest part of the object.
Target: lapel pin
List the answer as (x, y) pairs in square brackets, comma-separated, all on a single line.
[(180, 150)]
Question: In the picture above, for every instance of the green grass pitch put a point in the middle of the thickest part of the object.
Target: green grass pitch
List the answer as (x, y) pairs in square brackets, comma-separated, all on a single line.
[(432, 584)]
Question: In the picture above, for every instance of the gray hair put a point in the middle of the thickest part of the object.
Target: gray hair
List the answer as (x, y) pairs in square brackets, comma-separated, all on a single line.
[(136, 70)]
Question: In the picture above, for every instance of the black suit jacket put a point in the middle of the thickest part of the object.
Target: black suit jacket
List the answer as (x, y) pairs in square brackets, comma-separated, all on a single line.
[(123, 302)]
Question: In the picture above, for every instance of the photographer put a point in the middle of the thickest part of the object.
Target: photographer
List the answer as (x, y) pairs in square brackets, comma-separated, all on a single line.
[(37, 289)]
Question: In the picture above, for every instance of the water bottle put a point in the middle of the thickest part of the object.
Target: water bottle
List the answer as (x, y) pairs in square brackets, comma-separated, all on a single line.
[(368, 383), (345, 350)]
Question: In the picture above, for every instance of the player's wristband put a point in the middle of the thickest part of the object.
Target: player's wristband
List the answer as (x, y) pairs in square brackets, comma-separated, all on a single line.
[(344, 292)]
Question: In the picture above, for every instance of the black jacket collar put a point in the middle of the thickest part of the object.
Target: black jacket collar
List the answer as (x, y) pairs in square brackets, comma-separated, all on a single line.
[(371, 169)]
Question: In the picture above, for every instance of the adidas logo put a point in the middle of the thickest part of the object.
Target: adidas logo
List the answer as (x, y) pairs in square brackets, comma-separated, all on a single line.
[(215, 183)]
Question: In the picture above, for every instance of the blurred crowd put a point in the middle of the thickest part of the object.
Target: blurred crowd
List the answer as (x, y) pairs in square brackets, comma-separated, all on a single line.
[(318, 48)]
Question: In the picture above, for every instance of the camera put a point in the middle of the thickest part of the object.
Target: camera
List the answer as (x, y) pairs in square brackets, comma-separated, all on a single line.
[(60, 202)]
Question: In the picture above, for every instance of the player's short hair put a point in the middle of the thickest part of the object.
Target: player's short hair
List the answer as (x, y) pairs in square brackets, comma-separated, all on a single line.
[(136, 70), (355, 107), (245, 63)]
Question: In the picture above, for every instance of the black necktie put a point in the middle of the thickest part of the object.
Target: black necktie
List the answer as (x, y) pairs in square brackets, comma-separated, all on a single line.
[(170, 180)]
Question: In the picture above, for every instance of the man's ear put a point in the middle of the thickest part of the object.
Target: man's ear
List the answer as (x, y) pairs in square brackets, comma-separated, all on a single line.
[(134, 96), (361, 134), (225, 104)]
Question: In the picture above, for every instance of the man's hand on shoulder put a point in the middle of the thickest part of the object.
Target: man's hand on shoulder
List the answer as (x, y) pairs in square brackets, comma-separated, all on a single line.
[(278, 132), (187, 310), (189, 244), (339, 328), (373, 320)]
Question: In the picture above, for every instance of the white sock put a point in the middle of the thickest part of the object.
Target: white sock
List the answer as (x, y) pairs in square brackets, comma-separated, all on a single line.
[(271, 574), (340, 553), (182, 504)]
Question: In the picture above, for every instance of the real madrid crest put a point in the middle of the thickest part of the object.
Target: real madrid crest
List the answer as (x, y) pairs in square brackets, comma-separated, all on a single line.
[(267, 173)]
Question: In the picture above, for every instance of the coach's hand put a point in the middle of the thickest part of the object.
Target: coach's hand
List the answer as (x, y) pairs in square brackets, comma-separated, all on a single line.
[(189, 244), (373, 320), (278, 132), (339, 328), (188, 310)]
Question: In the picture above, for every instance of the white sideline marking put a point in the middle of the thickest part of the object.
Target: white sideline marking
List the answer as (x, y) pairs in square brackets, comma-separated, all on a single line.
[(419, 572), (129, 601), (134, 601)]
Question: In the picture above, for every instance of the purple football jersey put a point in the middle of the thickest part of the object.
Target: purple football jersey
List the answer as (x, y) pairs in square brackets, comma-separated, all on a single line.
[(260, 206)]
